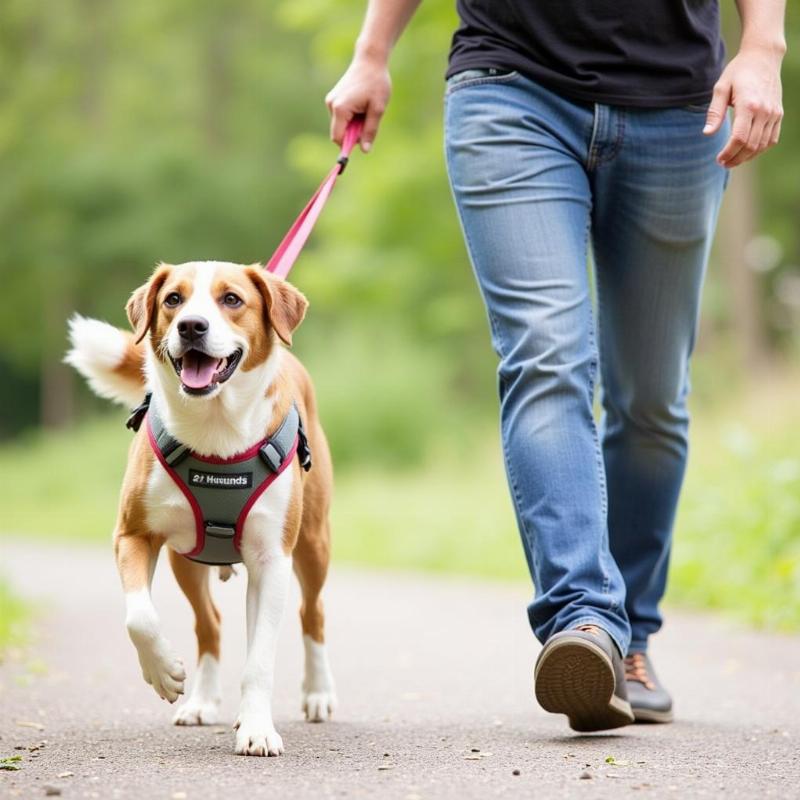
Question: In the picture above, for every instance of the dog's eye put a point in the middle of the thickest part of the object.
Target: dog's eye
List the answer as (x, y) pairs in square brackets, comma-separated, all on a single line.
[(172, 300), (232, 300)]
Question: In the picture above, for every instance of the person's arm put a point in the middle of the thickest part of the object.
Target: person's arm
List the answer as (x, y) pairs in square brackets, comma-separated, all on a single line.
[(751, 83), (365, 86)]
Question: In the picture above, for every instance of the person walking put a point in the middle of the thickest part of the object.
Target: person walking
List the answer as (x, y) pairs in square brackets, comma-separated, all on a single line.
[(603, 125)]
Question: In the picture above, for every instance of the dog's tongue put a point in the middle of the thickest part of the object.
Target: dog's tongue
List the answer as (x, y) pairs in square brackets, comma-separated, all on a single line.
[(198, 369)]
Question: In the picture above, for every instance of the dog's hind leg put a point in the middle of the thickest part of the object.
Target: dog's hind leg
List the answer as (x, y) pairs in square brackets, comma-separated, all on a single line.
[(202, 705), (311, 558)]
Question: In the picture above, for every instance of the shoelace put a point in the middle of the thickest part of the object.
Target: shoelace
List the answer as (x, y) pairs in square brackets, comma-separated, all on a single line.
[(636, 670)]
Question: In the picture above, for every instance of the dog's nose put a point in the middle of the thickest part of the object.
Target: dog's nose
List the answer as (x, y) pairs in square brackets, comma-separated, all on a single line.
[(192, 328)]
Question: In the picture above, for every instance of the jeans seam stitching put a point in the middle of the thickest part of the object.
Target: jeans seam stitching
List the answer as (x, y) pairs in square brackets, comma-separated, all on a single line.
[(591, 152), (618, 140), (599, 465)]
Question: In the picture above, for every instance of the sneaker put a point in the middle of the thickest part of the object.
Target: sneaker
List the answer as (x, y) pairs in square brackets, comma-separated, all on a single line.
[(580, 673), (649, 700)]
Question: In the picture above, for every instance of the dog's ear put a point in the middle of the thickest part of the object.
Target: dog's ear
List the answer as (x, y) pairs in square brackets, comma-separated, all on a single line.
[(284, 306), (141, 308)]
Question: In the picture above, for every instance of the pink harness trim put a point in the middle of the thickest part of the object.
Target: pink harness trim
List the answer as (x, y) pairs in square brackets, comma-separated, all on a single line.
[(289, 249), (199, 524)]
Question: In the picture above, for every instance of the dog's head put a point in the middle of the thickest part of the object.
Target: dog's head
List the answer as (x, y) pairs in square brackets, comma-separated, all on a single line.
[(208, 320)]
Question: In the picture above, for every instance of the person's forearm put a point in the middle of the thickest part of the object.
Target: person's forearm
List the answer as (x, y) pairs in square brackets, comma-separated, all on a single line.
[(762, 25), (385, 20)]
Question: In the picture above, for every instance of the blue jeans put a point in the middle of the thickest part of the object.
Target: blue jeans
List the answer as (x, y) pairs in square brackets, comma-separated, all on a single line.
[(536, 178)]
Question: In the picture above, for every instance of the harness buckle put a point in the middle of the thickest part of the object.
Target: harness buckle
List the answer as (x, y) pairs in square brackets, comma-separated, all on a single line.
[(220, 530), (271, 455)]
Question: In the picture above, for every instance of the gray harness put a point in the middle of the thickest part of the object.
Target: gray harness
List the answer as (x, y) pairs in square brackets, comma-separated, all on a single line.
[(220, 491)]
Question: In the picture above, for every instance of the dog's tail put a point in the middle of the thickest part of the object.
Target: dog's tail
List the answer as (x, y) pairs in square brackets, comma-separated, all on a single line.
[(108, 358)]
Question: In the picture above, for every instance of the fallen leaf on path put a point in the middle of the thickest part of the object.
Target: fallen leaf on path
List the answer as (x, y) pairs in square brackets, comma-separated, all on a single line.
[(11, 763), (24, 723)]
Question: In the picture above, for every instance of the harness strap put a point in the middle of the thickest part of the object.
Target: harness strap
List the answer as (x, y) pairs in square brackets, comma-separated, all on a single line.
[(275, 449)]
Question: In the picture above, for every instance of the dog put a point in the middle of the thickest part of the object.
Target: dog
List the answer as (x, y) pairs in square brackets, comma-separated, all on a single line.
[(210, 345)]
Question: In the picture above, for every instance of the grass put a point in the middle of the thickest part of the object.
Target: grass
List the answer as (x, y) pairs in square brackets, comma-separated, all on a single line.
[(737, 543), (13, 616)]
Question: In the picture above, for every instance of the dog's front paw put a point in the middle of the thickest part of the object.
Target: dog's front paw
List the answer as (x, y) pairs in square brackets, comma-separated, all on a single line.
[(197, 712), (256, 737), (163, 671), (319, 706)]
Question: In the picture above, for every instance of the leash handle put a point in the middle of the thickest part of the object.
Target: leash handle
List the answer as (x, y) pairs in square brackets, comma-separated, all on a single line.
[(352, 134), (289, 249)]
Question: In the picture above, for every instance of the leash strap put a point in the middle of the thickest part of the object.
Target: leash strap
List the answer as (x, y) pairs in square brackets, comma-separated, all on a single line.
[(289, 249)]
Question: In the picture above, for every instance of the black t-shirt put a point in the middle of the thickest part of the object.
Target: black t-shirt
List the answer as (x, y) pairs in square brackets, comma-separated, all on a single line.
[(648, 53)]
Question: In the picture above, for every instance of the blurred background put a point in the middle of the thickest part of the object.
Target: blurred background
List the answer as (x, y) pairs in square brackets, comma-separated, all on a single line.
[(178, 129)]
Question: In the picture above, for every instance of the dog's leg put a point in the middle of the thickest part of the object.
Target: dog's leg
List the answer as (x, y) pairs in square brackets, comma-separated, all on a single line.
[(311, 558), (136, 556), (202, 705), (267, 586)]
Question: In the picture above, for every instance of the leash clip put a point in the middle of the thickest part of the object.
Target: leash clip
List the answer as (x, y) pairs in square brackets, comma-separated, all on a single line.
[(134, 421), (342, 162)]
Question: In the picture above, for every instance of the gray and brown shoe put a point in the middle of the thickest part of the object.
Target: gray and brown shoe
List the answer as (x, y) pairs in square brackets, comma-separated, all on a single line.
[(580, 673), (649, 700)]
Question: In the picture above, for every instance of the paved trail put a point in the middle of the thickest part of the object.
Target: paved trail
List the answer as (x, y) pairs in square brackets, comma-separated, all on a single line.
[(428, 669)]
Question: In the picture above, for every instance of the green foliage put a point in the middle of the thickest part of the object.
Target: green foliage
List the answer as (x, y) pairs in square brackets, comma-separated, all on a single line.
[(65, 485), (738, 543), (13, 615), (168, 130)]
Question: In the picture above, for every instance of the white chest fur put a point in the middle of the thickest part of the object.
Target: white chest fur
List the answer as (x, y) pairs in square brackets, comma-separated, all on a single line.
[(170, 515)]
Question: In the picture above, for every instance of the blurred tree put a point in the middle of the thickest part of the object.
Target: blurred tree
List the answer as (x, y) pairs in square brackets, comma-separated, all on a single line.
[(177, 129), (132, 133)]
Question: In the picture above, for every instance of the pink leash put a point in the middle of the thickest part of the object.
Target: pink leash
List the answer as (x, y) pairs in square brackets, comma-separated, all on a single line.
[(289, 249)]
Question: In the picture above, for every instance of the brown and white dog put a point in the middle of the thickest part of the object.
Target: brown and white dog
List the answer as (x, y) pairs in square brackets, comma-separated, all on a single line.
[(238, 385)]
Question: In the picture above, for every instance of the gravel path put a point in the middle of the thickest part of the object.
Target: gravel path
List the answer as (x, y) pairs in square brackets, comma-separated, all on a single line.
[(434, 678)]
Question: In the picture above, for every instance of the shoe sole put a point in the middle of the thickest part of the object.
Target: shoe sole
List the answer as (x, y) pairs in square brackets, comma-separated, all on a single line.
[(649, 715), (576, 678)]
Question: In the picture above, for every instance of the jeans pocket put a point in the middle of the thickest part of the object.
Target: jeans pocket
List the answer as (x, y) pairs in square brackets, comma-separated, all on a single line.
[(476, 77)]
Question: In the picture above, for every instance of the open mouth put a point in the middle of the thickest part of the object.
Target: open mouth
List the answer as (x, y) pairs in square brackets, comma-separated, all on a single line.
[(201, 373)]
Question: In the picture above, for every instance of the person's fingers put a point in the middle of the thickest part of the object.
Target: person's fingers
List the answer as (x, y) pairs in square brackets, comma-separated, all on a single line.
[(742, 123), (372, 121), (766, 136), (752, 146), (719, 106), (340, 116), (776, 131), (772, 132)]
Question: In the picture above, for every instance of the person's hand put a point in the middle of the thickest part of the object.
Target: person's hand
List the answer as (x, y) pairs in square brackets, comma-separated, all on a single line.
[(363, 89), (751, 83)]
